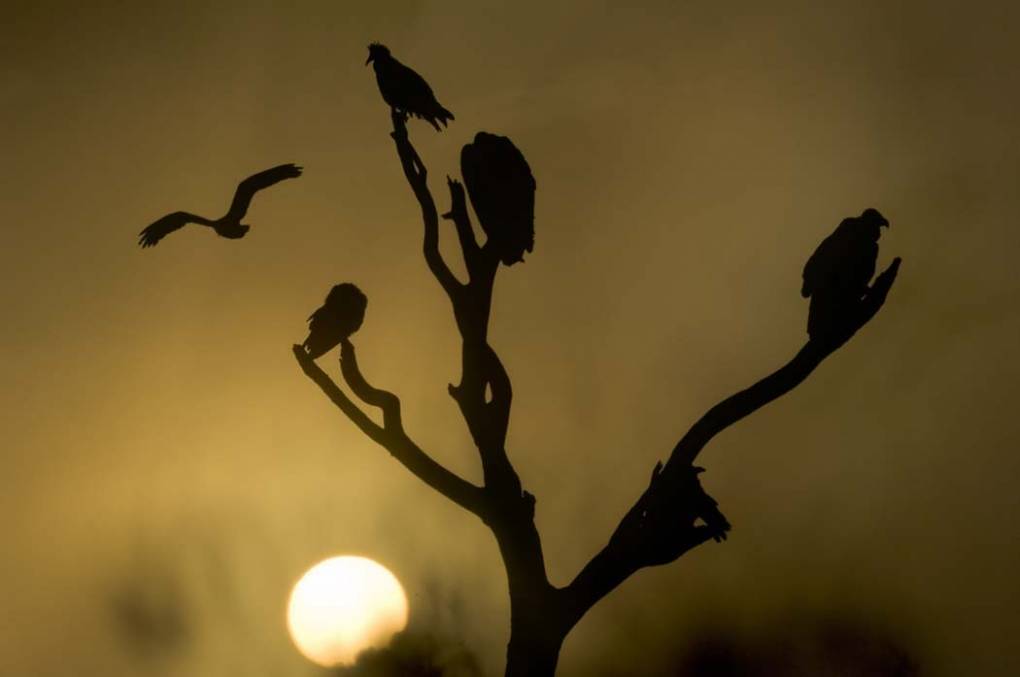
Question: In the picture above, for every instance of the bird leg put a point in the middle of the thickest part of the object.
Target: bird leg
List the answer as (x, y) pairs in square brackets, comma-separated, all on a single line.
[(404, 145), (395, 112)]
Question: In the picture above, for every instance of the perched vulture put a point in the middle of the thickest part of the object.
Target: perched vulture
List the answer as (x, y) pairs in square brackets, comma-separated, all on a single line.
[(229, 225), (836, 276), (339, 317), (502, 191), (403, 89)]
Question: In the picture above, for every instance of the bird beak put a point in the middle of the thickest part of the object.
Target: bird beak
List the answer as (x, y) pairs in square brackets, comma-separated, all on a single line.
[(368, 60)]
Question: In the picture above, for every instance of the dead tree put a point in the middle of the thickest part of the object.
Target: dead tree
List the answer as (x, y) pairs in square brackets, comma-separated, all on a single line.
[(671, 516)]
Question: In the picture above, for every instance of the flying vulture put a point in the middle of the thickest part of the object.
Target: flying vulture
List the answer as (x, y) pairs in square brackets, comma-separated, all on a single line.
[(229, 225), (836, 276), (403, 89), (502, 191), (339, 317)]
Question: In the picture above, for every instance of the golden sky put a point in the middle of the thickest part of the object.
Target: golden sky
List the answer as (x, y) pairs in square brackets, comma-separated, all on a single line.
[(163, 447)]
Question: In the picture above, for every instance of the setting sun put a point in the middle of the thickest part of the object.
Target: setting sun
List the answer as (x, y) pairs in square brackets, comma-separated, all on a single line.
[(342, 606)]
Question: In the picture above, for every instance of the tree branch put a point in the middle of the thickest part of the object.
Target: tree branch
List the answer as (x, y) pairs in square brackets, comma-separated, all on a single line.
[(487, 418), (487, 421), (385, 400), (661, 526), (784, 379), (416, 173), (459, 215), (502, 395), (390, 437), (509, 508)]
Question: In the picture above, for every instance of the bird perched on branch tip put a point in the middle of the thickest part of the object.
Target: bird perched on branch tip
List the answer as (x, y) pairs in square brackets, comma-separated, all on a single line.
[(837, 274), (340, 316), (403, 89)]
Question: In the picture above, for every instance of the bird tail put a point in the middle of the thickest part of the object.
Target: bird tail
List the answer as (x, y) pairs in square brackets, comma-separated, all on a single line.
[(440, 114)]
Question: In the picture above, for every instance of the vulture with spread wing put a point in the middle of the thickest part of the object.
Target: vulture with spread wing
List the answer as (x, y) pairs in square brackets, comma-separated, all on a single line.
[(403, 89), (836, 276), (229, 225)]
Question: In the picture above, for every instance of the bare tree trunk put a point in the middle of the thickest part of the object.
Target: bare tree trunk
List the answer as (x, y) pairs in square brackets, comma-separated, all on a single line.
[(671, 516), (539, 623), (528, 655)]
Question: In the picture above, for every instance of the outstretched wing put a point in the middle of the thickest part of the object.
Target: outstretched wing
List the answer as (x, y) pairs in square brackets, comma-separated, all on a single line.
[(256, 182), (156, 231)]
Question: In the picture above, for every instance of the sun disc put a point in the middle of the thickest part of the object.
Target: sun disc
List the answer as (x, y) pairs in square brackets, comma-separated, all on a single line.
[(342, 606)]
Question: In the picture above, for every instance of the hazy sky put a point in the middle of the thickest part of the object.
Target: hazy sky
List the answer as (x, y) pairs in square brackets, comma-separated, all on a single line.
[(168, 471)]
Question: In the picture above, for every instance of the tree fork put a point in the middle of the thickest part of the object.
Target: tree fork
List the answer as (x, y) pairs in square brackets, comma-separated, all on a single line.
[(672, 516)]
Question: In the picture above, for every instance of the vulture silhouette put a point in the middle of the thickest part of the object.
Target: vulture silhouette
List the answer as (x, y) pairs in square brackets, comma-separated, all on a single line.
[(228, 225), (340, 316), (403, 89), (836, 276), (502, 191)]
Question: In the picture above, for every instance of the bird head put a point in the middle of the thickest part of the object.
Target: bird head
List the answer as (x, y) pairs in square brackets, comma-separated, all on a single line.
[(872, 217), (870, 222), (377, 51)]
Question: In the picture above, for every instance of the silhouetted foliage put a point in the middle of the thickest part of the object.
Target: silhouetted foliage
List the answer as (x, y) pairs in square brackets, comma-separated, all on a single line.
[(415, 654), (805, 647), (229, 225)]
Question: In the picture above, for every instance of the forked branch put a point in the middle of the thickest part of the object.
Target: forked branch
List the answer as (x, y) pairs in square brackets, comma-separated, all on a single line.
[(391, 435), (417, 177), (484, 393), (482, 371), (674, 514), (784, 379), (385, 400)]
